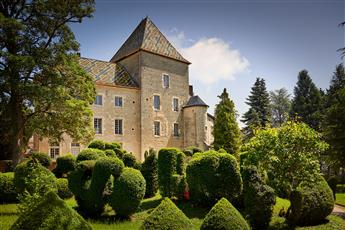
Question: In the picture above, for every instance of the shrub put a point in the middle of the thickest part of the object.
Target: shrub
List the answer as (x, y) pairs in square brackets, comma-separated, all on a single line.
[(224, 216), (8, 192), (311, 202), (64, 165), (332, 182), (180, 167), (211, 176), (178, 186), (129, 190), (112, 145), (259, 198), (51, 213), (42, 158), (149, 172), (110, 153), (192, 150), (167, 216), (63, 190), (97, 144), (341, 188), (119, 152), (90, 154), (129, 160)]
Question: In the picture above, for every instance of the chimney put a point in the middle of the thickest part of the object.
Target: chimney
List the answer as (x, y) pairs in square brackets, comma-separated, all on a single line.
[(191, 93)]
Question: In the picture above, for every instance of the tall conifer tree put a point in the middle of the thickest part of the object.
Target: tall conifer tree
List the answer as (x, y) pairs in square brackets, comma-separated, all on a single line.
[(226, 132)]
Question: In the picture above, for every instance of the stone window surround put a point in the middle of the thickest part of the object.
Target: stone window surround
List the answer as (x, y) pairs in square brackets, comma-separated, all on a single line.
[(103, 99), (178, 104), (123, 101), (163, 83), (123, 125), (178, 130), (153, 104), (103, 129), (55, 146), (154, 128)]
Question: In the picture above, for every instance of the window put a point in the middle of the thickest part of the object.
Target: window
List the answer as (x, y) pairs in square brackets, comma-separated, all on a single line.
[(99, 100), (175, 104), (118, 126), (97, 124), (118, 101), (166, 82), (157, 128), (54, 151), (75, 148), (176, 130), (156, 102)]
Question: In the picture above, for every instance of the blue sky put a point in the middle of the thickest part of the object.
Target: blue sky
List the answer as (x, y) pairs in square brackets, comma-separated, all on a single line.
[(229, 43)]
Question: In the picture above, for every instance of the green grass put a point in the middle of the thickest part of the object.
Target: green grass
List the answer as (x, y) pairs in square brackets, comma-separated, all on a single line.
[(8, 215), (340, 198)]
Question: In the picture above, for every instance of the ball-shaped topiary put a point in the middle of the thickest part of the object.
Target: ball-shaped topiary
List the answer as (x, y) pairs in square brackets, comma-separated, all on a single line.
[(224, 216), (42, 158), (211, 176), (149, 172), (129, 190), (8, 192), (110, 153), (166, 216), (311, 202), (64, 165), (97, 144), (51, 213), (90, 154), (128, 159), (112, 145), (63, 191)]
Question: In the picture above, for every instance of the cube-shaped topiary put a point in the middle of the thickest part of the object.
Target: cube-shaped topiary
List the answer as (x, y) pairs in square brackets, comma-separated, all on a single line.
[(51, 213), (8, 192), (129, 190), (224, 216), (167, 216)]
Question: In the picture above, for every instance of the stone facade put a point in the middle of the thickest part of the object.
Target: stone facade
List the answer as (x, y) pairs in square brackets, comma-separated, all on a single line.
[(145, 68)]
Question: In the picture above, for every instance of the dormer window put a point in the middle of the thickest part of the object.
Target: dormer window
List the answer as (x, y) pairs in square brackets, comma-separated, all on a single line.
[(166, 81)]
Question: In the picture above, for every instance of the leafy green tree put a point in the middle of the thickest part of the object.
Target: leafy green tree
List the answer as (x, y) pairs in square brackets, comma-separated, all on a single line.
[(307, 101), (334, 120), (258, 114), (43, 89), (280, 106), (227, 134)]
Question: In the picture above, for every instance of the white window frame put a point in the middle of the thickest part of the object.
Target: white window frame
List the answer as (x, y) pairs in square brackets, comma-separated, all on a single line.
[(122, 100), (102, 130), (102, 100), (122, 126), (75, 148), (54, 148), (163, 82), (178, 104), (153, 98), (178, 129), (159, 129)]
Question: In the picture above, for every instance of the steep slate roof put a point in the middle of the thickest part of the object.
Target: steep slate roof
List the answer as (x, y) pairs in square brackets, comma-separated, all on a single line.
[(195, 101), (147, 37), (107, 72)]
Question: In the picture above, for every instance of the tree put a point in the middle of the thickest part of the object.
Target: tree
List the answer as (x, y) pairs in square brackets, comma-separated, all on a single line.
[(333, 124), (280, 106), (258, 114), (307, 101), (342, 50), (227, 134), (43, 90)]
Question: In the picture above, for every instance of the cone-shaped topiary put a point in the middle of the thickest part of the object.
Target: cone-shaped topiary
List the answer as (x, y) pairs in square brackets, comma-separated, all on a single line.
[(51, 213), (167, 216), (224, 216)]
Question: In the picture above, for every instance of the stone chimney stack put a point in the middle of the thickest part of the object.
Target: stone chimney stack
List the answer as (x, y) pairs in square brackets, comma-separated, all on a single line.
[(191, 92)]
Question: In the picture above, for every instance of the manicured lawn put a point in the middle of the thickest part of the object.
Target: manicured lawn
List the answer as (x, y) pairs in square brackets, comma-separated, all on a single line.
[(340, 198), (8, 215)]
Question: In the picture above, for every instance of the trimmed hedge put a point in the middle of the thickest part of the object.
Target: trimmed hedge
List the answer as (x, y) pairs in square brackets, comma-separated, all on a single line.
[(63, 191), (64, 165), (90, 154), (51, 213), (8, 192), (167, 216), (211, 176), (150, 173), (332, 183), (311, 202), (189, 151), (97, 144), (224, 216), (129, 190), (259, 198), (42, 158), (110, 153), (129, 160)]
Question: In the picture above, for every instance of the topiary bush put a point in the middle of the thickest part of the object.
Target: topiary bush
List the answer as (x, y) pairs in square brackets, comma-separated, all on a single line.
[(110, 153), (8, 192), (211, 176), (42, 158), (129, 160), (341, 188), (97, 144), (63, 191), (64, 165), (311, 202), (332, 183), (224, 216), (191, 150), (90, 154), (112, 146), (150, 173), (259, 198), (51, 213), (129, 190), (167, 216)]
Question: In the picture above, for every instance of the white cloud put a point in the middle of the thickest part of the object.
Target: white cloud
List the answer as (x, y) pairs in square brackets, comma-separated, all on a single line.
[(212, 58)]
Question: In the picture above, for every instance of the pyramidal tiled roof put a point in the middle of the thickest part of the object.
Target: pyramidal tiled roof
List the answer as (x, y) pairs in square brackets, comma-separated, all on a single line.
[(147, 37), (195, 101), (107, 72)]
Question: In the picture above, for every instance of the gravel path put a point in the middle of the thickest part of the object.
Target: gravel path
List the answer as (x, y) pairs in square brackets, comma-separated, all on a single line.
[(339, 210)]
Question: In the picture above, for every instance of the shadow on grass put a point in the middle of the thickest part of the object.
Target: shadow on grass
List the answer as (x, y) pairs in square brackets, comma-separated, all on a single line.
[(286, 225), (192, 211)]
